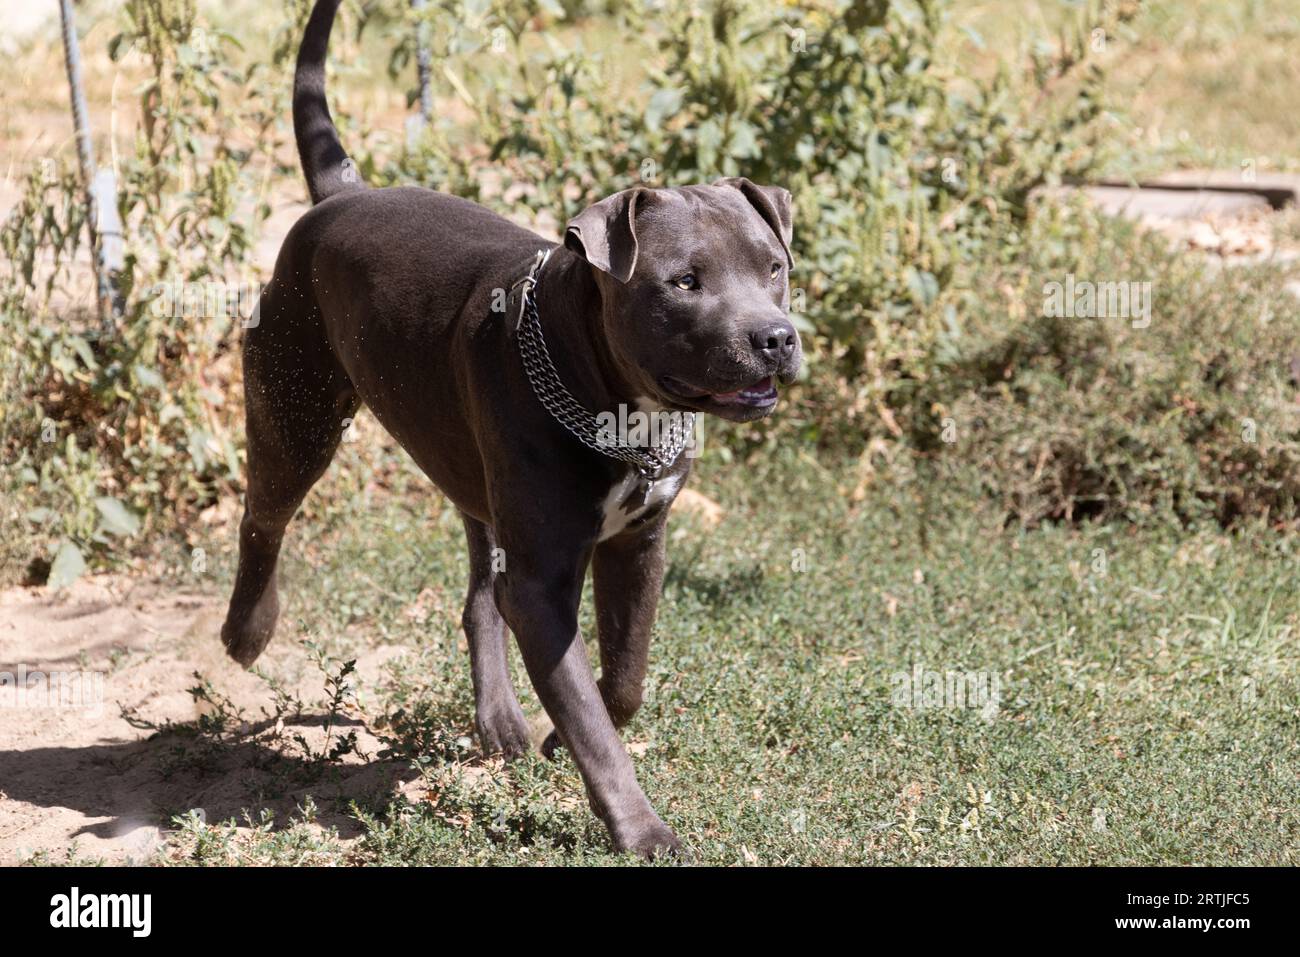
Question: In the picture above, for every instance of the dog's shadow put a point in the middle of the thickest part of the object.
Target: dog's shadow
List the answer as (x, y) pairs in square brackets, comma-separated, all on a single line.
[(181, 770), (717, 592)]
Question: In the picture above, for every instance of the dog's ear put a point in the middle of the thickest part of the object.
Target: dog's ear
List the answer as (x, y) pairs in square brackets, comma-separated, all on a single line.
[(772, 203), (604, 233)]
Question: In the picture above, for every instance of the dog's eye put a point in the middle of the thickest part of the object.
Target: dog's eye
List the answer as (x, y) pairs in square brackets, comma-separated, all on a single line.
[(776, 270), (687, 282)]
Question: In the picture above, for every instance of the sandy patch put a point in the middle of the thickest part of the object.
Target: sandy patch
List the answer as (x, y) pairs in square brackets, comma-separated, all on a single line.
[(100, 774)]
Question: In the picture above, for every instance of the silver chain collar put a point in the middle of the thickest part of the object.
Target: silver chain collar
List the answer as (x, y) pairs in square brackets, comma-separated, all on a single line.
[(569, 412)]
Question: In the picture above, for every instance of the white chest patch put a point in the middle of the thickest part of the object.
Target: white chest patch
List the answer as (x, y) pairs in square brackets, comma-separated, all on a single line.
[(616, 517)]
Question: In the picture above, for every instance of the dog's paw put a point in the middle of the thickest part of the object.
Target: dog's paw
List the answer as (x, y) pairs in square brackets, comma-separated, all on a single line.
[(550, 743), (503, 730), (649, 838), (246, 643)]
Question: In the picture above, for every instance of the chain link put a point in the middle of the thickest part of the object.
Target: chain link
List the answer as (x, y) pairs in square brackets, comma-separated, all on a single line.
[(569, 412)]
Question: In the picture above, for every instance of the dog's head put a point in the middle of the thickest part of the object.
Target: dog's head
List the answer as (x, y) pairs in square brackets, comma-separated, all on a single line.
[(695, 292)]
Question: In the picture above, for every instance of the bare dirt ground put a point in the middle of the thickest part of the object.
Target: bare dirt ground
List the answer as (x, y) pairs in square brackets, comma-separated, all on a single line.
[(97, 775)]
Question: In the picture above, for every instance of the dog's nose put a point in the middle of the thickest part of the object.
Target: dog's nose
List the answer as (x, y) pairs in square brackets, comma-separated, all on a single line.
[(776, 342)]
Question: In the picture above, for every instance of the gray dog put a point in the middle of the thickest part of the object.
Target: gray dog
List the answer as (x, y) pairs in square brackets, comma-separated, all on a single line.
[(437, 314)]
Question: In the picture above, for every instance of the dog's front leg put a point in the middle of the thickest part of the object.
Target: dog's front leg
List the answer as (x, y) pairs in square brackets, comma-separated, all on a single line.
[(627, 577), (538, 596)]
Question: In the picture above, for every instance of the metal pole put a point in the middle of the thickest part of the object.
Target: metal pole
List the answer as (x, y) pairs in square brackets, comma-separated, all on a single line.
[(423, 64), (85, 157)]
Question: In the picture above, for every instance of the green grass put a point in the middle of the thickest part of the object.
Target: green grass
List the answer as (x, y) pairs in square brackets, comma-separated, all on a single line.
[(1148, 689)]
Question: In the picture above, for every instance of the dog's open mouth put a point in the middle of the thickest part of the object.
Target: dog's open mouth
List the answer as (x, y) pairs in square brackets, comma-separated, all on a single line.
[(757, 395), (761, 393)]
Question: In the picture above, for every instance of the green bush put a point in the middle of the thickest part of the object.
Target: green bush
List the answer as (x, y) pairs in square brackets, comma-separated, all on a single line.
[(138, 420), (1195, 414)]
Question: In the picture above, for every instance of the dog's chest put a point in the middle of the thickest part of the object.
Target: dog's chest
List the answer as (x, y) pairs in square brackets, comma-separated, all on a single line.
[(626, 501)]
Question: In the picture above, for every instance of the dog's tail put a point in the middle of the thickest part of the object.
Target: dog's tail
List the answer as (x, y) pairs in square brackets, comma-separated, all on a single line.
[(324, 163)]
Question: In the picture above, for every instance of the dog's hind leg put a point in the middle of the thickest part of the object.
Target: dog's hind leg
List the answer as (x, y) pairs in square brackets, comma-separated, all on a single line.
[(498, 719), (298, 403)]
